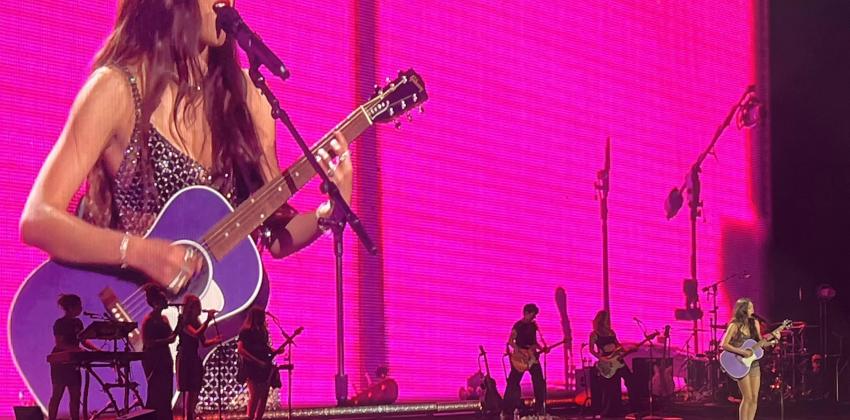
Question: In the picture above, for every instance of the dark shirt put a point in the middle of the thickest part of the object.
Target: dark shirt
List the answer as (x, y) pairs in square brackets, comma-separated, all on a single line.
[(256, 343), (155, 327), (68, 329), (605, 340), (187, 347), (526, 334)]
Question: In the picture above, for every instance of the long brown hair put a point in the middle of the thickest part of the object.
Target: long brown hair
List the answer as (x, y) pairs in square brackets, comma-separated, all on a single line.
[(191, 303), (602, 322), (162, 39), (256, 321), (742, 318)]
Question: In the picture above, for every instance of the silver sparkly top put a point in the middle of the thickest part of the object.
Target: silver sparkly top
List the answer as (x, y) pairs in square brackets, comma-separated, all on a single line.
[(136, 198)]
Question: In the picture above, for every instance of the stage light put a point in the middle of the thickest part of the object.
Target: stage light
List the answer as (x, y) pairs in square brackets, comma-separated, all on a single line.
[(825, 292)]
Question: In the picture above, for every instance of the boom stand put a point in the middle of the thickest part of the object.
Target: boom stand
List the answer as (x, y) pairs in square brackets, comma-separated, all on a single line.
[(746, 106)]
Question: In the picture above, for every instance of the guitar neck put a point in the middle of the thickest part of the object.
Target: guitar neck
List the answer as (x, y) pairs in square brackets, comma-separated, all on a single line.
[(228, 232), (765, 341)]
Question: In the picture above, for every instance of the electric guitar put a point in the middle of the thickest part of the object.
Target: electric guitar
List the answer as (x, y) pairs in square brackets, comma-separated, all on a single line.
[(738, 366), (524, 359), (609, 365), (232, 279)]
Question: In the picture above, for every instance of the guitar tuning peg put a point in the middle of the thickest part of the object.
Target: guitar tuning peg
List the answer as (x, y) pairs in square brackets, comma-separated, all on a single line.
[(391, 111), (410, 117), (421, 109), (403, 104), (397, 125)]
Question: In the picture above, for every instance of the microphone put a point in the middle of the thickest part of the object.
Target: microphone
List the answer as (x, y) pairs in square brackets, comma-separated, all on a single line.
[(751, 109), (229, 21), (637, 320), (482, 350)]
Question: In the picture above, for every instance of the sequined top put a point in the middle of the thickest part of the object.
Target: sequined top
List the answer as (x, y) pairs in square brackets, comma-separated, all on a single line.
[(132, 199)]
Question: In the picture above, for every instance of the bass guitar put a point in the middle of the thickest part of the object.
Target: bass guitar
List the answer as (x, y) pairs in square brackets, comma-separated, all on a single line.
[(524, 359), (232, 279), (609, 365), (738, 366)]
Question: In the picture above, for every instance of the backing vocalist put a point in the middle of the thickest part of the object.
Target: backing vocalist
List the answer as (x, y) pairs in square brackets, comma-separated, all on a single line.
[(190, 369)]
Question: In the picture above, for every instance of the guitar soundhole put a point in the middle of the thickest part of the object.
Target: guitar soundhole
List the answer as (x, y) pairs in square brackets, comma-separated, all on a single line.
[(199, 282)]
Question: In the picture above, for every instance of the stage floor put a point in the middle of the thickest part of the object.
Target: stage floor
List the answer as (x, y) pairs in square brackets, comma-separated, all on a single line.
[(674, 411)]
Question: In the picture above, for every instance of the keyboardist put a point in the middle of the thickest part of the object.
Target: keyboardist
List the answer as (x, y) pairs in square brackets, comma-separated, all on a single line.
[(64, 375)]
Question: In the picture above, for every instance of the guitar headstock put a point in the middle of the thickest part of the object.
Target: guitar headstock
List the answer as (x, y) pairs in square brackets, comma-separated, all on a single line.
[(398, 97), (785, 324)]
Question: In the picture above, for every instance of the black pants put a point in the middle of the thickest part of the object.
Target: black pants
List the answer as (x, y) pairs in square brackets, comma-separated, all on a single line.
[(606, 396), (513, 393), (159, 370)]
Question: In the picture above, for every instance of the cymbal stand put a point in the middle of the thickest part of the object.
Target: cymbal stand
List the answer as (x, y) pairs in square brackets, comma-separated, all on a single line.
[(690, 377), (289, 366), (714, 344), (220, 371)]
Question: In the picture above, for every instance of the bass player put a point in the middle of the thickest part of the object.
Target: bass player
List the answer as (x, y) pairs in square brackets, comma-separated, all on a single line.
[(605, 347)]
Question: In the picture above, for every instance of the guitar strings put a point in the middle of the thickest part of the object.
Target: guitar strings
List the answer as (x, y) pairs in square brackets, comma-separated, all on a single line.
[(215, 237), (255, 209)]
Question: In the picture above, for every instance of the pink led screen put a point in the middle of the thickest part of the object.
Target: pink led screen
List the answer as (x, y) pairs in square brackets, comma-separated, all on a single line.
[(484, 202)]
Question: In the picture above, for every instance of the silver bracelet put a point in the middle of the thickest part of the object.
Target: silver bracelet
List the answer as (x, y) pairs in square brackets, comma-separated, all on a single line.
[(122, 249), (324, 208)]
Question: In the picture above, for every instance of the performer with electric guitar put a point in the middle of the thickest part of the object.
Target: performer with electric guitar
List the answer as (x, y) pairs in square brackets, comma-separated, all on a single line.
[(524, 351), (257, 357), (740, 339), (607, 349)]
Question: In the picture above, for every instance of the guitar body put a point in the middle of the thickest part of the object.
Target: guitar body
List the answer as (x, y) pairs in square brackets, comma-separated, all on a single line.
[(523, 359), (231, 285), (736, 366), (608, 368)]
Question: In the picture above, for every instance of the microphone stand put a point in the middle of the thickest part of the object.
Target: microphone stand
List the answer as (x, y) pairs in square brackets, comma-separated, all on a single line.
[(602, 186), (651, 415), (218, 368), (342, 215), (289, 366)]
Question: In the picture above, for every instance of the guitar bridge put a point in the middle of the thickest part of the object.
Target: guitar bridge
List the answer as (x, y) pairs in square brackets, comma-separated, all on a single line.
[(117, 312)]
